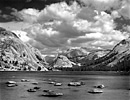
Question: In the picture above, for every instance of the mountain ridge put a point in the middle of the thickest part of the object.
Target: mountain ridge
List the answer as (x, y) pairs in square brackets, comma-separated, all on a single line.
[(116, 59), (17, 54)]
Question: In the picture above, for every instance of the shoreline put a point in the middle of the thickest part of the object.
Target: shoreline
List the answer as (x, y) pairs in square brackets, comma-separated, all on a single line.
[(115, 73)]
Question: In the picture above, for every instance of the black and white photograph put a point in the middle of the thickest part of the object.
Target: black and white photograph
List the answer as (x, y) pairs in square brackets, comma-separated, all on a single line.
[(64, 49)]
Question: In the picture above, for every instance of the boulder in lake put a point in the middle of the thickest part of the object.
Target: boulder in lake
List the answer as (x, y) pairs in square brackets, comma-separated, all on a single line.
[(101, 86), (31, 90), (52, 94), (37, 88), (74, 84), (12, 85), (11, 82), (95, 91), (57, 84), (24, 80)]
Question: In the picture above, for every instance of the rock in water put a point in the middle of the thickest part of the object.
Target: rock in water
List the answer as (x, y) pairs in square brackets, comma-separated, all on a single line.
[(16, 55), (101, 86), (31, 90), (95, 91), (11, 82), (12, 85), (24, 80), (57, 84)]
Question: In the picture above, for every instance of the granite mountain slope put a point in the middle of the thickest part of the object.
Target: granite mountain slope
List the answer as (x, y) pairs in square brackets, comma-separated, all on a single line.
[(17, 55)]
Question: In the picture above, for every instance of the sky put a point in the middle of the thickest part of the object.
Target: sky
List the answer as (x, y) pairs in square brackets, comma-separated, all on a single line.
[(54, 25)]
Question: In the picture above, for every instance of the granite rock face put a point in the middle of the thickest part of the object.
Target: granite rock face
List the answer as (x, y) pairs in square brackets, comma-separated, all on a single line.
[(62, 61), (17, 55)]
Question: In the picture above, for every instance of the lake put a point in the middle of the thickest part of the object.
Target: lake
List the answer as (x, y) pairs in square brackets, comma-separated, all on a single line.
[(116, 86)]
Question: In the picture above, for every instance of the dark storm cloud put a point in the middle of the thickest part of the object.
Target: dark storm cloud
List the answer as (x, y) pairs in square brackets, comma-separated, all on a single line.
[(6, 14), (38, 4)]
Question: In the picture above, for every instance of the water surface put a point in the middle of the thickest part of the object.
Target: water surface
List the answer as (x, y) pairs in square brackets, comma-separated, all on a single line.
[(116, 86)]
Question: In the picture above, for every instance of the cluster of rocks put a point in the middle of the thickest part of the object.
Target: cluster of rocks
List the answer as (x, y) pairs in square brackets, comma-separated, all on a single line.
[(51, 93)]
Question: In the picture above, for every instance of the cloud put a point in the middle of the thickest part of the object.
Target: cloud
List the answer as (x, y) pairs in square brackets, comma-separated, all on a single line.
[(128, 29), (69, 30), (61, 26), (87, 14), (61, 11), (102, 43), (13, 25), (24, 36), (87, 38), (77, 32), (46, 36), (6, 14), (57, 11), (36, 44), (100, 39), (28, 15), (102, 5), (103, 23), (117, 8), (125, 10)]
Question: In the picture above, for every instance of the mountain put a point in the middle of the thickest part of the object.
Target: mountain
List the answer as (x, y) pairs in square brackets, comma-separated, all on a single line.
[(76, 54), (17, 55), (82, 55), (62, 61), (117, 59), (121, 52)]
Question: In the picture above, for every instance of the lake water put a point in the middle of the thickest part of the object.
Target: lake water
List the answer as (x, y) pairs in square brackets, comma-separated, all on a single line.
[(117, 86)]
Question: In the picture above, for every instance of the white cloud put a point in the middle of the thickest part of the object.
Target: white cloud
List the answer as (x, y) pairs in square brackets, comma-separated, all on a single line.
[(77, 31), (103, 43), (105, 22), (115, 14), (60, 11), (60, 26), (45, 36), (28, 15), (57, 11)]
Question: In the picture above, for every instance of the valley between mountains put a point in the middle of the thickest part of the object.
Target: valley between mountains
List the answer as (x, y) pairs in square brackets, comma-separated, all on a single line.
[(15, 55)]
